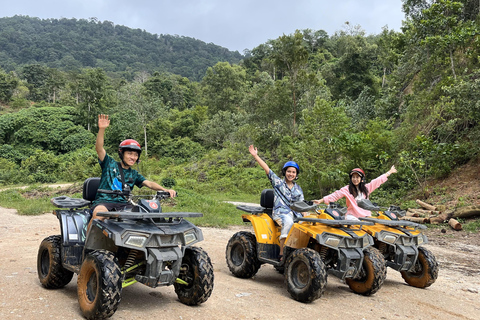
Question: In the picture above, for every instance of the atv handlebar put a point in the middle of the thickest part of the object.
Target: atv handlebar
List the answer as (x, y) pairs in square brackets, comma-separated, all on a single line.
[(127, 194), (368, 205)]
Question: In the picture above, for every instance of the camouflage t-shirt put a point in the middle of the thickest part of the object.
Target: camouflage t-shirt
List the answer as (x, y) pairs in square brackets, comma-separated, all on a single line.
[(284, 196), (112, 180)]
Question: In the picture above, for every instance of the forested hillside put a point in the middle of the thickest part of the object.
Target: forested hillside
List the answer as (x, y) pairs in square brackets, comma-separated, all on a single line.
[(329, 102), (71, 44)]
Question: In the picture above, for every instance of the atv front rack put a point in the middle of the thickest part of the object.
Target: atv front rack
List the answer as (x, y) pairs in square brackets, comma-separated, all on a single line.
[(395, 223)]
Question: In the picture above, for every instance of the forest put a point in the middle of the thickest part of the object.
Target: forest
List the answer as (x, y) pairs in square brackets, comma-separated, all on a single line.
[(329, 102)]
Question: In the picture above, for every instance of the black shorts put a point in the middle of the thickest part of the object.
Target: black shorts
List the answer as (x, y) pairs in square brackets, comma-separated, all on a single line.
[(114, 206)]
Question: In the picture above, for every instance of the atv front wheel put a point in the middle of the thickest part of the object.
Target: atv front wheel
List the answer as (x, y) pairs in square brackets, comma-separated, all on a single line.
[(50, 271), (99, 285), (241, 255), (197, 272), (305, 275), (371, 276), (425, 271)]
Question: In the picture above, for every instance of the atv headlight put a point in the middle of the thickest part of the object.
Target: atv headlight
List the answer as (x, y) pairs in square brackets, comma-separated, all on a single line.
[(420, 239), (366, 241), (389, 238), (136, 241), (332, 241), (189, 237)]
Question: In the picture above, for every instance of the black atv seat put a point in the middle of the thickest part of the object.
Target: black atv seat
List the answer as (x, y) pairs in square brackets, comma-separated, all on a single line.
[(90, 187), (266, 204)]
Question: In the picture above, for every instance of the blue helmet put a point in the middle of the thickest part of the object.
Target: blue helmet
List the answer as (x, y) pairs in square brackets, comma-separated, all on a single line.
[(290, 164)]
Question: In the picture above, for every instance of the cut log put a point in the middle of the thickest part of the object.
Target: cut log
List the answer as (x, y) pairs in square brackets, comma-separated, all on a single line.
[(416, 219), (455, 224), (411, 213), (467, 212), (425, 205), (423, 212), (441, 218)]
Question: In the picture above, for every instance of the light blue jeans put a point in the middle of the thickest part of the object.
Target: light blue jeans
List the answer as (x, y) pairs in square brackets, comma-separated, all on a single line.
[(285, 220)]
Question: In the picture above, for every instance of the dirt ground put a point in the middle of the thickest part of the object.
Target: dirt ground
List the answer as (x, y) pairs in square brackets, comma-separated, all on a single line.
[(455, 294)]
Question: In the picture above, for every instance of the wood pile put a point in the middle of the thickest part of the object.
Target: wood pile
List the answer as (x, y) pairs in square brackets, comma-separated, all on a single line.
[(439, 214)]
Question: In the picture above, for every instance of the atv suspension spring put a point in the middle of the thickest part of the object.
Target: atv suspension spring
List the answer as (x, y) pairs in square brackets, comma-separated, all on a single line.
[(382, 247), (323, 253), (132, 255)]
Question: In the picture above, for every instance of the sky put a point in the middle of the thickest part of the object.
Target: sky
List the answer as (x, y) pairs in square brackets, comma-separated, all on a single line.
[(236, 25)]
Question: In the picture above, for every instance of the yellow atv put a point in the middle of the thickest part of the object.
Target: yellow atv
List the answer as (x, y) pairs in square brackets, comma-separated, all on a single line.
[(316, 244), (399, 241)]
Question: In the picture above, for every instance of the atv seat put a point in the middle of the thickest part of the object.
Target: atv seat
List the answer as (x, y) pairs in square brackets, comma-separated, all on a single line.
[(266, 204), (90, 187)]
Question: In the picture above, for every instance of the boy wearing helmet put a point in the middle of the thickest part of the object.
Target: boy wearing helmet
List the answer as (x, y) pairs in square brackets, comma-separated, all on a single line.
[(286, 192), (356, 190), (129, 152)]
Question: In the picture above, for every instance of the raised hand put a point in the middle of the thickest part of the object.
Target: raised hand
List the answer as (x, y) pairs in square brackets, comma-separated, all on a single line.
[(103, 121), (253, 150)]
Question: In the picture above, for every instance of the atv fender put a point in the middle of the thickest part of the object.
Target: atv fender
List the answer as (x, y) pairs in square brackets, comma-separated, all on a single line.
[(73, 225), (266, 231)]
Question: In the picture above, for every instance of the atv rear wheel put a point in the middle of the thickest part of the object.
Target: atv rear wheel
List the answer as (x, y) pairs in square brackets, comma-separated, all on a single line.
[(197, 272), (372, 275), (99, 285), (425, 271), (241, 255), (305, 275), (50, 271)]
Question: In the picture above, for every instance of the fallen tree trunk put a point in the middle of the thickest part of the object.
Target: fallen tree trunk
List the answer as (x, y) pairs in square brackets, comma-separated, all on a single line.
[(441, 218), (455, 224), (467, 212), (425, 205)]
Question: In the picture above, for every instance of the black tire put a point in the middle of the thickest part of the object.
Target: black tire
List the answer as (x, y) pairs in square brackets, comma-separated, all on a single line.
[(372, 275), (280, 269), (425, 271), (197, 271), (241, 255), (50, 271), (99, 285), (305, 275)]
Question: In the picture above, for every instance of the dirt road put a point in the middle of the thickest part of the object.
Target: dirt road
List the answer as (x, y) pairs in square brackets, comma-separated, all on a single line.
[(455, 295)]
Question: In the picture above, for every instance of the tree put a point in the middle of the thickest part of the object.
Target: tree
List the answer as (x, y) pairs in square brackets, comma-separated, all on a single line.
[(223, 87), (94, 93), (290, 54), (133, 97), (8, 83)]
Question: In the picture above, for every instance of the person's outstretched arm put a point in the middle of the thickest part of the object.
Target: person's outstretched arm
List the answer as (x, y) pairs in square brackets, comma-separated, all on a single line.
[(155, 186), (254, 153), (103, 123)]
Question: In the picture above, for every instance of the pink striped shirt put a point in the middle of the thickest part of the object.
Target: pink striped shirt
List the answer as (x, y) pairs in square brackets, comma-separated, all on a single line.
[(352, 208)]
